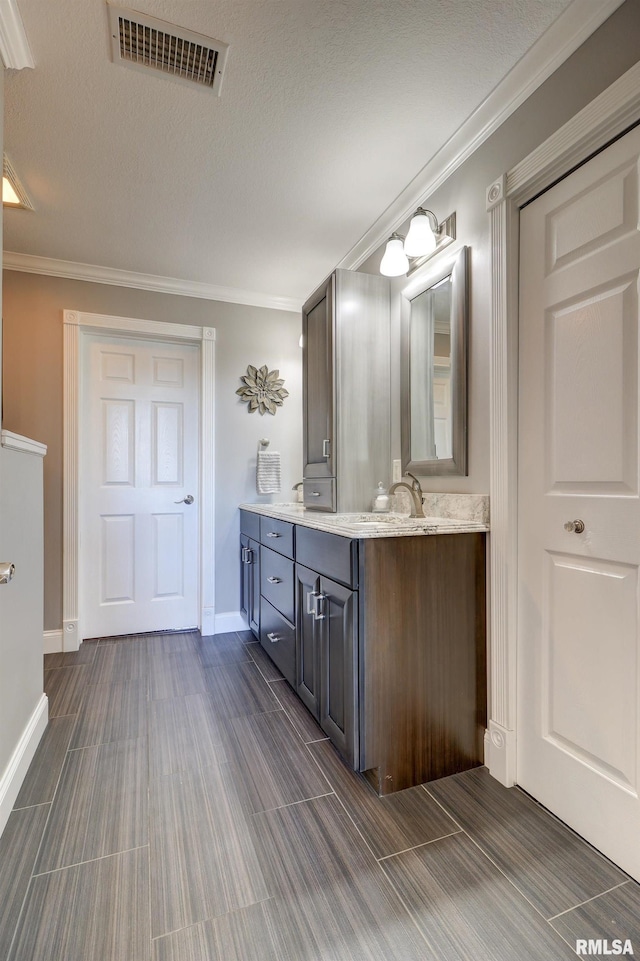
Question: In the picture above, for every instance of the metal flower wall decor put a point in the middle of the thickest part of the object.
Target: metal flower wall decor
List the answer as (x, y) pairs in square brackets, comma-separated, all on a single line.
[(263, 389)]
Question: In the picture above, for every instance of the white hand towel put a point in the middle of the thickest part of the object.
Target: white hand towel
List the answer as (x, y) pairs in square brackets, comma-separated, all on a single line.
[(268, 472)]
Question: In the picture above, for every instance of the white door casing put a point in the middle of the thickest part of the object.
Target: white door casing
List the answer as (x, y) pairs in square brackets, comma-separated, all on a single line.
[(76, 326), (138, 463), (609, 115), (578, 624)]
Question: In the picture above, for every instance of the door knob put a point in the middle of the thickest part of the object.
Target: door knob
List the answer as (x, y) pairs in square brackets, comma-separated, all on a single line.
[(186, 500), (574, 527)]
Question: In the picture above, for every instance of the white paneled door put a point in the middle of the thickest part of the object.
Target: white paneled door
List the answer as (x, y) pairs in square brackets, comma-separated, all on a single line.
[(139, 486), (579, 509)]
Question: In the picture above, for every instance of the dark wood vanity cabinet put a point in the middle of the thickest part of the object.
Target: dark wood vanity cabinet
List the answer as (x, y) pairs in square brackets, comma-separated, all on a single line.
[(327, 648), (384, 641), (250, 570)]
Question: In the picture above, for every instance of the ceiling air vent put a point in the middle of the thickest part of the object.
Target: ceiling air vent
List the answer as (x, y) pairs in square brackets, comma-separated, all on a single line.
[(145, 43)]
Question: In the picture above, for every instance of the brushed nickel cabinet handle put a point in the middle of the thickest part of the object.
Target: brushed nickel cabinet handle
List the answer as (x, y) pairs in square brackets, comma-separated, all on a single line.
[(574, 527), (273, 534), (273, 637), (7, 570), (325, 447), (274, 580), (314, 494)]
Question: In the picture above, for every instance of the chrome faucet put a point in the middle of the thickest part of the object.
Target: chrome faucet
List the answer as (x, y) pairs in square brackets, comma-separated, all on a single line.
[(416, 494)]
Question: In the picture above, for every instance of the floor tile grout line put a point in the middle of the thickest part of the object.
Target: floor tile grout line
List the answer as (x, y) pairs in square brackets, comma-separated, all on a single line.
[(215, 917), (77, 864), (290, 804), (440, 805), (28, 807), (595, 897), (488, 857), (416, 847), (498, 868)]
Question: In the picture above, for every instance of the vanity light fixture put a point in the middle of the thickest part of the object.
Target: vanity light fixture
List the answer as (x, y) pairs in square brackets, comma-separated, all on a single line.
[(425, 235), (13, 193), (421, 238), (394, 262)]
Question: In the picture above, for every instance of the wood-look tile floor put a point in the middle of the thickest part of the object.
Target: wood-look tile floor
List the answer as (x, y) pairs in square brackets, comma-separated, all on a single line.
[(184, 806)]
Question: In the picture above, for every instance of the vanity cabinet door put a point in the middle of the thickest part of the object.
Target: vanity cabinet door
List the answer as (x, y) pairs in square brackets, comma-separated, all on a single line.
[(338, 650), (317, 378), (250, 582), (307, 670)]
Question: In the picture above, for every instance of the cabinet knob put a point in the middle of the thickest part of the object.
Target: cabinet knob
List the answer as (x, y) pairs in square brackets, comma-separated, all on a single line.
[(574, 527)]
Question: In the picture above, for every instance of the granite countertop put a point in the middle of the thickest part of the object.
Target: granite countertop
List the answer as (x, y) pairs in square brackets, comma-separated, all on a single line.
[(367, 524)]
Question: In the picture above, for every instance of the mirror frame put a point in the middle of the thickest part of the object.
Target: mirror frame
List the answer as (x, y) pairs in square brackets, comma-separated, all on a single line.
[(458, 268)]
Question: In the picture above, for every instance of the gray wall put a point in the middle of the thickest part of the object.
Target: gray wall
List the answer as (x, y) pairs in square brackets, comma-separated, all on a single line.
[(32, 399), (605, 56)]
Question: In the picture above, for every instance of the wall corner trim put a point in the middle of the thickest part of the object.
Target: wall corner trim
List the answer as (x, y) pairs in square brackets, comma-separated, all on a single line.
[(14, 46), (25, 444), (15, 772)]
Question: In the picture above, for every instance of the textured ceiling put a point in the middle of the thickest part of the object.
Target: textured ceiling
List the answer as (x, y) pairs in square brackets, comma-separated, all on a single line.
[(328, 109)]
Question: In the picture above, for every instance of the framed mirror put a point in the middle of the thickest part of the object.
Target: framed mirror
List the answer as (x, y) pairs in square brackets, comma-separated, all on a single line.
[(433, 369)]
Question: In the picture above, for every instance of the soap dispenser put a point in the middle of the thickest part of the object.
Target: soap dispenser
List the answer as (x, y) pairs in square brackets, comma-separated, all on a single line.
[(381, 499)]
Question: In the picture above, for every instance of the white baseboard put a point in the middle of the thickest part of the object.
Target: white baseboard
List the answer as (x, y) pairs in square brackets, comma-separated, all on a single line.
[(16, 770), (224, 624), (52, 642), (501, 759), (231, 621)]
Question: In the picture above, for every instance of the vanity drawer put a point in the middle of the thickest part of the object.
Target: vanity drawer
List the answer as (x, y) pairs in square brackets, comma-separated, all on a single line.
[(329, 554), (276, 581), (250, 524), (319, 493), (278, 638), (278, 535)]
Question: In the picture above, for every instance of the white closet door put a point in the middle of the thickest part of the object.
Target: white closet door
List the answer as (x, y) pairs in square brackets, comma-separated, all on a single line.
[(578, 649), (139, 453)]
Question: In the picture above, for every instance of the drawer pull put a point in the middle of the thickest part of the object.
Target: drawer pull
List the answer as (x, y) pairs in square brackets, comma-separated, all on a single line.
[(311, 605), (319, 599), (325, 448), (273, 637), (274, 580), (314, 494), (247, 555), (273, 534)]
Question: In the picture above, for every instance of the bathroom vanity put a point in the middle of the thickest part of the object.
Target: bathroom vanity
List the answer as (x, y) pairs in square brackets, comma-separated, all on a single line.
[(378, 623)]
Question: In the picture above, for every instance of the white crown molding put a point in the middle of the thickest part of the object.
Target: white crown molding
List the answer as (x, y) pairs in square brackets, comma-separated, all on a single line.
[(50, 267), (580, 19), (17, 442), (14, 46)]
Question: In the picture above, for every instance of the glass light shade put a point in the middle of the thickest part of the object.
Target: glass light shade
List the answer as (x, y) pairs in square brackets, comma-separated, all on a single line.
[(421, 239), (394, 262)]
